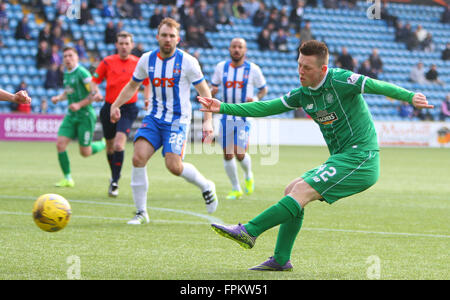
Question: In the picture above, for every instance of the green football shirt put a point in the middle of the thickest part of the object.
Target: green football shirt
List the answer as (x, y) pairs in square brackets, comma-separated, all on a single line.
[(336, 105), (75, 82)]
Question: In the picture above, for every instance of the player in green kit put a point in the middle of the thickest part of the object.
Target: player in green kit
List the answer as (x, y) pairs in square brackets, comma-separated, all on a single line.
[(80, 119), (333, 98)]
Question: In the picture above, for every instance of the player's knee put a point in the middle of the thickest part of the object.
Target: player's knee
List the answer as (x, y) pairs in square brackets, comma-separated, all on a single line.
[(117, 147), (228, 156), (85, 152), (138, 160), (60, 147), (303, 193), (174, 166), (240, 156)]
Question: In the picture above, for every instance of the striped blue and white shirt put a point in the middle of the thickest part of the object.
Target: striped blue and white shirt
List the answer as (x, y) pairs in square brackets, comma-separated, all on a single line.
[(238, 83), (170, 81)]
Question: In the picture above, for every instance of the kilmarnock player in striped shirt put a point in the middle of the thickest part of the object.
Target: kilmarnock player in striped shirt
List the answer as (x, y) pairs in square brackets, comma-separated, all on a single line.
[(171, 72)]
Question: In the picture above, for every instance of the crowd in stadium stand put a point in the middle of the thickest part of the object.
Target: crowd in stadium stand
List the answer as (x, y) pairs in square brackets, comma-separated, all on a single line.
[(275, 24)]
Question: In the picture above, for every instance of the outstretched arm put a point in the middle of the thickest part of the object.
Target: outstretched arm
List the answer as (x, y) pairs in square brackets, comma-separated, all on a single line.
[(19, 97), (251, 109), (378, 87)]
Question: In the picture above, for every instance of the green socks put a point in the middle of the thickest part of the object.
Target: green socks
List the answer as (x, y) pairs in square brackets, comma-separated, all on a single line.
[(286, 238), (289, 214), (286, 209), (98, 146), (64, 163)]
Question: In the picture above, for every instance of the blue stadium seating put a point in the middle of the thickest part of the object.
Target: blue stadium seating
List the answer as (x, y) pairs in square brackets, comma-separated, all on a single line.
[(338, 28)]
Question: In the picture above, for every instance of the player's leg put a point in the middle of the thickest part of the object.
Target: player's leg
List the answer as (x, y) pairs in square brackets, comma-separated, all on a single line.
[(66, 132), (226, 138), (85, 132), (117, 162), (143, 151), (129, 113), (63, 158), (341, 176), (174, 141), (109, 133), (146, 141), (288, 212), (241, 146)]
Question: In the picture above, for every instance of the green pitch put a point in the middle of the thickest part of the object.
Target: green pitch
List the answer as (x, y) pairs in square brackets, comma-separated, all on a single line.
[(398, 229)]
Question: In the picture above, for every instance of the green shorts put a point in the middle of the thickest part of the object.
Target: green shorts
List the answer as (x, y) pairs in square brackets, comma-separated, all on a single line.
[(80, 127), (344, 174)]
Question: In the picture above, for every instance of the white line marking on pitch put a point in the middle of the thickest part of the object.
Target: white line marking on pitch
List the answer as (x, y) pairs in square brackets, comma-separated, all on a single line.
[(216, 220), (112, 218), (210, 219)]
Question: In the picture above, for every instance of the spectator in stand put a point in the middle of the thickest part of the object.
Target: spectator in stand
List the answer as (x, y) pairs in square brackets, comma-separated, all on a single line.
[(446, 52), (57, 38), (23, 29), (201, 9), (421, 34), (405, 110), (209, 22), (259, 17), (366, 70), (183, 10), (85, 15), (56, 55), (272, 19), (136, 11), (284, 24), (195, 37), (4, 25), (433, 76), (412, 42), (124, 10), (43, 56), (296, 16), (427, 44), (391, 20), (109, 10), (305, 33), (156, 18), (190, 19), (264, 41), (45, 33), (417, 74), (238, 10), (53, 77), (376, 64), (138, 50), (401, 33), (445, 17), (445, 108), (110, 33), (81, 50), (24, 108), (345, 60), (173, 13), (281, 41), (58, 23), (251, 7)]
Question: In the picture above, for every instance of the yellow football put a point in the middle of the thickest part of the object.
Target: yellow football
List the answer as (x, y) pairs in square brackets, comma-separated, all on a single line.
[(51, 212)]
